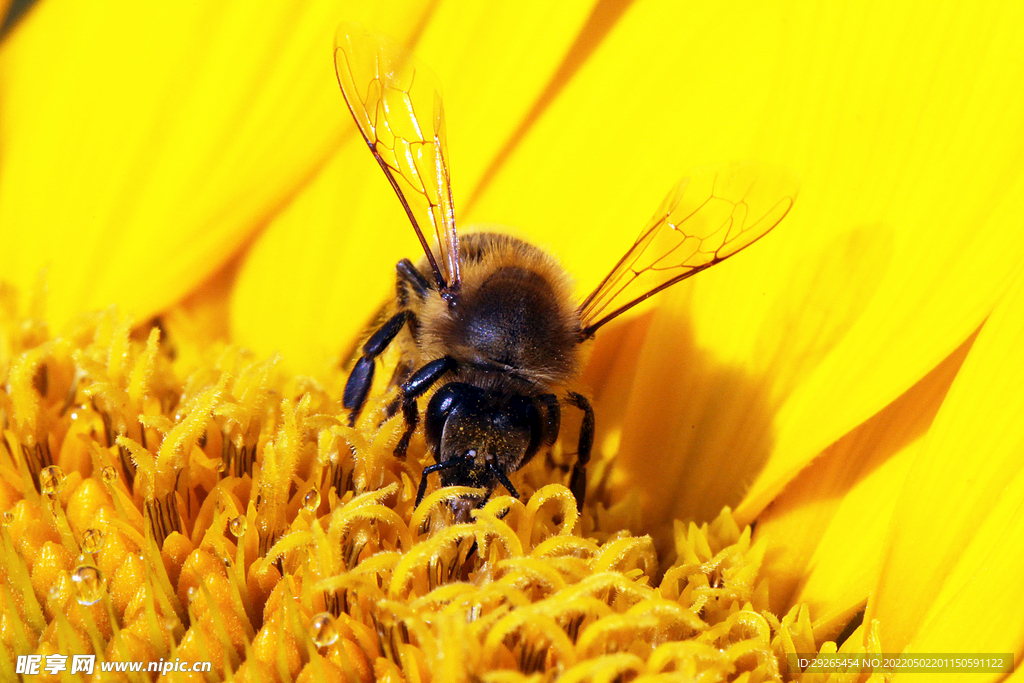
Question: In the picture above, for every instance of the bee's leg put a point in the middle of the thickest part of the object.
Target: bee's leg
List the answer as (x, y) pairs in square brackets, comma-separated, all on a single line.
[(358, 384), (421, 380), (578, 479), (552, 418), (410, 282), (411, 415), (408, 276), (430, 469), (398, 378), (402, 372), (550, 427)]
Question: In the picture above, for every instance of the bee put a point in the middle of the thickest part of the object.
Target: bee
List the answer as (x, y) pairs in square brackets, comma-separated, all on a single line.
[(486, 322)]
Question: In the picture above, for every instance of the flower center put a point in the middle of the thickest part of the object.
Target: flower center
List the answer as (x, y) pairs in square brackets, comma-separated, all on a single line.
[(167, 502)]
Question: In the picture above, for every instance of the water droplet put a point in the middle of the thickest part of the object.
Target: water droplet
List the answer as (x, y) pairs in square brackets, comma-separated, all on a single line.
[(109, 474), (51, 480), (89, 584), (237, 526), (8, 518), (323, 630), (222, 467), (92, 541), (312, 500)]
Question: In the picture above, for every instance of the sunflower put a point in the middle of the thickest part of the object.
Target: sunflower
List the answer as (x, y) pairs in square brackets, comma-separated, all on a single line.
[(815, 447)]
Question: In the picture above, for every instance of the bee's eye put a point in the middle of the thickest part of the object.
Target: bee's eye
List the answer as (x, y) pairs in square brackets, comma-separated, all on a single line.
[(445, 400), (448, 398)]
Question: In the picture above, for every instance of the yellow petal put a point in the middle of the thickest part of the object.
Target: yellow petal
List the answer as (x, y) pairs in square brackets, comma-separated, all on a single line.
[(499, 64), (980, 607), (670, 87), (964, 488), (920, 133), (826, 531), (1016, 677), (309, 284), (143, 143)]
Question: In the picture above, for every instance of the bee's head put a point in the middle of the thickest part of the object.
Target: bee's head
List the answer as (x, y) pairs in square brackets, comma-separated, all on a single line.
[(480, 437)]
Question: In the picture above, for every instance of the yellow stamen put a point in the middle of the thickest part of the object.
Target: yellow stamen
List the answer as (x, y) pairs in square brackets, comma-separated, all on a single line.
[(181, 503)]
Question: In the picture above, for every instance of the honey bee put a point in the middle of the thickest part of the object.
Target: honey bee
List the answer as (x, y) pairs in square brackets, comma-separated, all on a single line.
[(486, 322)]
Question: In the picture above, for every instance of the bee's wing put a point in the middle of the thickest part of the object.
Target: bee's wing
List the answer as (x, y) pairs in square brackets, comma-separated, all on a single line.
[(396, 103), (707, 218)]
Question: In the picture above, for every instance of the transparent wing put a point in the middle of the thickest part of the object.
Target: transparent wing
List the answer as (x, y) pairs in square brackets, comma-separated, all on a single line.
[(707, 218), (396, 103)]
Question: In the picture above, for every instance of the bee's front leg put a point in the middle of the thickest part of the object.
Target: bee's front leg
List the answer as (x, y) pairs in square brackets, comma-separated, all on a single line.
[(421, 380), (359, 381), (409, 281)]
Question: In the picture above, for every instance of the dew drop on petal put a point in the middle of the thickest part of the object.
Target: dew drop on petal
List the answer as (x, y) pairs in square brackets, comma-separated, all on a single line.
[(312, 500), (92, 541), (8, 518), (51, 480), (237, 526), (109, 474), (89, 584), (322, 630)]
